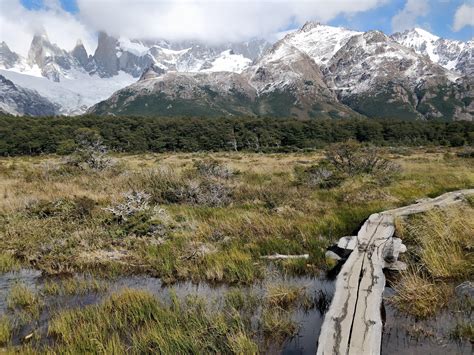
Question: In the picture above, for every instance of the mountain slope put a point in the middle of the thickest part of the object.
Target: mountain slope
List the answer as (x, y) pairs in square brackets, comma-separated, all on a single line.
[(16, 100), (450, 54), (318, 41), (284, 82), (379, 77)]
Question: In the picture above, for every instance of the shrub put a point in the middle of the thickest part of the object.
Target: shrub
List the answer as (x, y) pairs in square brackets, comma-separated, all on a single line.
[(323, 175), (466, 153), (90, 151), (165, 186), (353, 158), (212, 168), (135, 202), (162, 184)]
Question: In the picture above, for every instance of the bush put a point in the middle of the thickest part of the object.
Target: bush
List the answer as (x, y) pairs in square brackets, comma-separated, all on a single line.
[(466, 153), (322, 175), (206, 192), (78, 208), (212, 168), (353, 158), (135, 202), (165, 186), (90, 151)]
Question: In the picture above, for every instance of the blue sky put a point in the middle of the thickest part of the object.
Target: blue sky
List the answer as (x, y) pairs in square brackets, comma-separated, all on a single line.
[(438, 18)]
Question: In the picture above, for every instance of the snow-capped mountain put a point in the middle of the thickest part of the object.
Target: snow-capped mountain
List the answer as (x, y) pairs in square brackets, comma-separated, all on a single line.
[(310, 73), (450, 54), (283, 82), (316, 71), (76, 80), (377, 76), (320, 42)]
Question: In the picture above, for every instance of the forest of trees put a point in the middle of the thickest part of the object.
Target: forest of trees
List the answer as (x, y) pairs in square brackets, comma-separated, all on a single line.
[(28, 135)]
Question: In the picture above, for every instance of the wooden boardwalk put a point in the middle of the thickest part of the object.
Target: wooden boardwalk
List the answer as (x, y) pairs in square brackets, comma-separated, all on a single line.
[(353, 323)]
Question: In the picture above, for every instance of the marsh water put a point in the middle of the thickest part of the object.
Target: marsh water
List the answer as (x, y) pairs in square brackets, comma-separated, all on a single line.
[(401, 335)]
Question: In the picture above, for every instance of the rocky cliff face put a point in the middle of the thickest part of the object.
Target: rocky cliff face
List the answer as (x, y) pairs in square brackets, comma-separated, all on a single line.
[(52, 60), (452, 55), (379, 77), (8, 59), (16, 100)]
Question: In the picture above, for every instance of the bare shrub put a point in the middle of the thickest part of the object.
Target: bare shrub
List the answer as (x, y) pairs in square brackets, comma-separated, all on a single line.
[(206, 192), (322, 175), (90, 151), (353, 158), (135, 202), (166, 186), (212, 168)]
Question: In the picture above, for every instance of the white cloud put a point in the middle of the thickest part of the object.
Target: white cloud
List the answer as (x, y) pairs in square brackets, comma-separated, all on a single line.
[(211, 20), (407, 17), (208, 20), (18, 25), (463, 17)]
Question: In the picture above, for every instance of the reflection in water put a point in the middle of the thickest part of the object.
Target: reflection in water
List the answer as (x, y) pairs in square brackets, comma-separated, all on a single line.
[(401, 335)]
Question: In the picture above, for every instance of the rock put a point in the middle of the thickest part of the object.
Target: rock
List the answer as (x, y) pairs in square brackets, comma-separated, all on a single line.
[(332, 255), (465, 289)]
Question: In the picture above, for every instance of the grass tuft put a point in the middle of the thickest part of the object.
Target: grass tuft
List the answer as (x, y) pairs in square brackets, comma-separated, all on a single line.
[(24, 299)]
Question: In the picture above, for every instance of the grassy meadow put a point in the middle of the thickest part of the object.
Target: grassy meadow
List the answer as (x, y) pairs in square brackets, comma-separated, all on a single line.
[(209, 217)]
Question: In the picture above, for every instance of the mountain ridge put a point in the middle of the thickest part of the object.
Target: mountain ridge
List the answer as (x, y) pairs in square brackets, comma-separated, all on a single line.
[(350, 72)]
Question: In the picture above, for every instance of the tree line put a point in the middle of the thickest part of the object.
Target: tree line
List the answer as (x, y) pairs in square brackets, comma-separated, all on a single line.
[(43, 135)]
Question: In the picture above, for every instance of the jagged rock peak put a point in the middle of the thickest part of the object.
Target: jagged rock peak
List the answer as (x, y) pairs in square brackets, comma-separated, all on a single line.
[(375, 36), (80, 53), (152, 72), (309, 25), (8, 58), (106, 55)]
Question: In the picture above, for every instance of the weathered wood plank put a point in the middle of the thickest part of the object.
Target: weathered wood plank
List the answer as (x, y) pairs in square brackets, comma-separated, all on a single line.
[(353, 323)]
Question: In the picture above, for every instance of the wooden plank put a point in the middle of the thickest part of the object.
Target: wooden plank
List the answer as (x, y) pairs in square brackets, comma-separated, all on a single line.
[(353, 323)]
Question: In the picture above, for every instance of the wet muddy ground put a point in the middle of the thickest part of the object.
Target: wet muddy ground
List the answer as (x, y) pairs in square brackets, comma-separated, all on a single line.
[(401, 335)]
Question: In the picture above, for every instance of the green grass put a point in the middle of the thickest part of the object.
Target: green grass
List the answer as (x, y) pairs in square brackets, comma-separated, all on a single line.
[(463, 331), (74, 286), (135, 322), (23, 299), (8, 263), (5, 330)]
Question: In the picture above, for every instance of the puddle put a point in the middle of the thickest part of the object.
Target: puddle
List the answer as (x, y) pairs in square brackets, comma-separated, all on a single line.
[(304, 342), (401, 334), (404, 334)]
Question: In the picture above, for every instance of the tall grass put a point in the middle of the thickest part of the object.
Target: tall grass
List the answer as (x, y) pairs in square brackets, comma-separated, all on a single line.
[(25, 300), (5, 330), (444, 238), (135, 322), (440, 252)]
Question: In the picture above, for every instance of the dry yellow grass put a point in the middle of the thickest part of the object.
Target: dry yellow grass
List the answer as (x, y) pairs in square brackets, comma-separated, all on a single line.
[(268, 212), (440, 244)]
